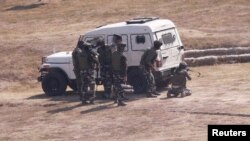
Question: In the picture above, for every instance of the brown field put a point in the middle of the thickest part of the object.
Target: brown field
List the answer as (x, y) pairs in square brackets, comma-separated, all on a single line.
[(30, 29), (220, 96)]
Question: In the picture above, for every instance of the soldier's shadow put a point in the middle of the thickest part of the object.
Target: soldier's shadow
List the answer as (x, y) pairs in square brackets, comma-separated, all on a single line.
[(68, 96), (71, 97)]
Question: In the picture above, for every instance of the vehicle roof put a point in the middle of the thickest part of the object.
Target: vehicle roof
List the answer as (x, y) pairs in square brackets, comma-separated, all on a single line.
[(150, 26)]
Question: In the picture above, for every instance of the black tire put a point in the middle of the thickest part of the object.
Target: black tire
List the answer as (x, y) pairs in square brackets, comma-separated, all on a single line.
[(73, 85), (137, 80), (54, 83)]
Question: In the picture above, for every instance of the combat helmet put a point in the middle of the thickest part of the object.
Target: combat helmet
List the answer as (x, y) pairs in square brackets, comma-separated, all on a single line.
[(183, 65), (157, 44)]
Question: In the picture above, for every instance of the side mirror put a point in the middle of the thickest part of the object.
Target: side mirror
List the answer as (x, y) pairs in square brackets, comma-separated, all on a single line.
[(181, 47)]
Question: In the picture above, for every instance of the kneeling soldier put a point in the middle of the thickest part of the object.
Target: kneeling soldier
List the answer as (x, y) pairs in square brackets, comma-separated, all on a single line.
[(179, 81)]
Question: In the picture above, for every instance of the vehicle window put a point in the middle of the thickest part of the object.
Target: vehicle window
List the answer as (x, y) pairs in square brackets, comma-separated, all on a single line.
[(124, 40), (86, 39), (140, 41), (168, 38)]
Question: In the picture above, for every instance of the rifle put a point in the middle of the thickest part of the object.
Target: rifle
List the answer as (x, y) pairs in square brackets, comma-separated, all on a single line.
[(199, 74)]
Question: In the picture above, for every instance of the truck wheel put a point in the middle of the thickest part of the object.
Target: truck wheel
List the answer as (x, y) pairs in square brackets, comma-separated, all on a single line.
[(137, 80), (54, 83), (73, 86)]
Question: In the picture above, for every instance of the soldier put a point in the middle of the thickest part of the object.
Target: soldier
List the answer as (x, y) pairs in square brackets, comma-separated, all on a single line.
[(147, 62), (87, 61), (178, 82), (76, 69), (119, 67), (105, 61)]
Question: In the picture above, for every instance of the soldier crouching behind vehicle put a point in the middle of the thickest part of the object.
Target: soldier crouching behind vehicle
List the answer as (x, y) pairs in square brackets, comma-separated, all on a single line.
[(86, 61), (119, 69), (178, 82)]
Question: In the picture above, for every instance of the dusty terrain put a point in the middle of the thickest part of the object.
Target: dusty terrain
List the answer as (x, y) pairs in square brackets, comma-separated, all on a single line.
[(220, 96), (30, 29)]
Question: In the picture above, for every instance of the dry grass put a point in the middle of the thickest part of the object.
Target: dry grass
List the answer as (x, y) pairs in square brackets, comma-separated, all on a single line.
[(29, 30), (213, 60), (217, 52)]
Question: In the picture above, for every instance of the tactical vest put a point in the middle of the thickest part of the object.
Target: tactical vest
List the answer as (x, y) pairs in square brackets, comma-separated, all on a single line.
[(147, 57), (116, 61), (179, 78), (83, 60), (105, 56)]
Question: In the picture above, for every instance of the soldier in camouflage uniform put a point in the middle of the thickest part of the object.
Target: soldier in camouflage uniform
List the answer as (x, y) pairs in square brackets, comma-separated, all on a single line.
[(178, 82), (119, 68), (105, 60), (87, 61), (76, 69), (147, 62)]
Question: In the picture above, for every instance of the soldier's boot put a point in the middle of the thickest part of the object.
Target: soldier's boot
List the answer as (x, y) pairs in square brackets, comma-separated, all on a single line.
[(156, 93), (151, 95), (84, 102), (188, 92), (92, 100), (121, 103), (182, 95), (169, 95)]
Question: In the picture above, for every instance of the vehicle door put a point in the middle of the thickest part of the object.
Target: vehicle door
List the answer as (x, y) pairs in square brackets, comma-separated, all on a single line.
[(170, 50)]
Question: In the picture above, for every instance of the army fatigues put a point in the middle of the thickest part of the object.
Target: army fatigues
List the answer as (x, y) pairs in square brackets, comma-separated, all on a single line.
[(178, 82), (76, 69), (86, 64), (105, 60), (147, 60), (119, 67)]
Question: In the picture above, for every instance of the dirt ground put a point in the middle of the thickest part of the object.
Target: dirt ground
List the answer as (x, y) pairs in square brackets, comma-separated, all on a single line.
[(221, 95)]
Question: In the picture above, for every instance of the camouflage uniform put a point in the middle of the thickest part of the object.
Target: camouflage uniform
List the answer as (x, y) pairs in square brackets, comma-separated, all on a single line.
[(147, 61), (178, 82), (104, 57), (87, 60), (76, 69), (119, 67)]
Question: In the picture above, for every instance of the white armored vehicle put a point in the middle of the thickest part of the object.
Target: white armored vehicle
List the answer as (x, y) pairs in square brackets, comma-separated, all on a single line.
[(138, 34)]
